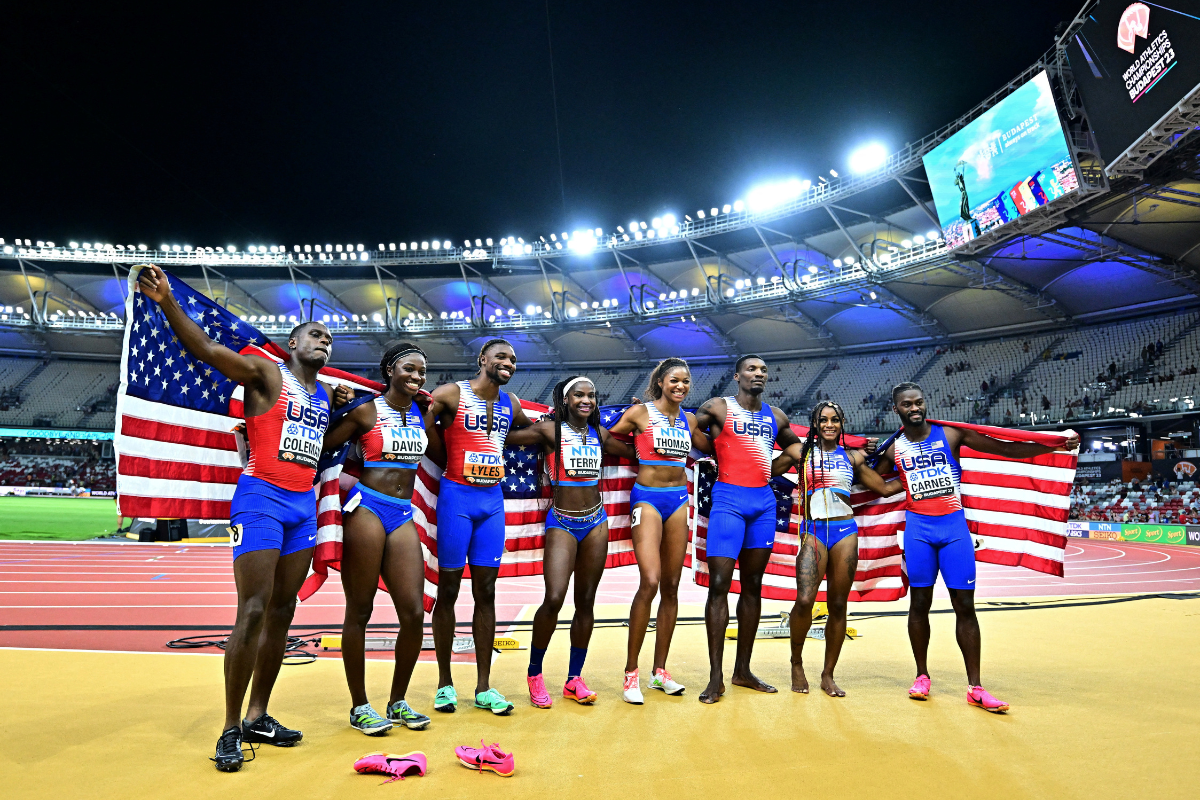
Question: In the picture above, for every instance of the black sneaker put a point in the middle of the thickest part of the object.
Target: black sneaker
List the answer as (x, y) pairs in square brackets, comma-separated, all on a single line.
[(229, 750), (267, 730)]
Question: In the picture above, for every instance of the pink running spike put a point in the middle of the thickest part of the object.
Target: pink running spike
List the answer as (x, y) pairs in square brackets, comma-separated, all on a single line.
[(398, 767), (981, 697), (920, 689), (578, 691), (489, 757), (537, 691)]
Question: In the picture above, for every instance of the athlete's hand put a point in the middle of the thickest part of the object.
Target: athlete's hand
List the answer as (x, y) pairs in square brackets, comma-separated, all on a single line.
[(635, 400), (871, 445), (1071, 445), (342, 395), (423, 400), (153, 283)]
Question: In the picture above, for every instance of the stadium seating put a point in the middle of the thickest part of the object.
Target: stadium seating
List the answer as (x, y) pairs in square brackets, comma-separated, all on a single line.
[(1178, 502), (58, 471)]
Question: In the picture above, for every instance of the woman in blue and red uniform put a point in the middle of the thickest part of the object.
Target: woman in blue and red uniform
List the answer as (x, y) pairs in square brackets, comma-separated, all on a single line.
[(829, 539), (573, 442), (663, 435), (379, 537), (741, 526), (273, 514)]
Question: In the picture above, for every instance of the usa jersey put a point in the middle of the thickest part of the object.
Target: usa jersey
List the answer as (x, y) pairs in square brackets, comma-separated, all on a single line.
[(391, 442), (581, 456), (828, 478), (285, 440), (663, 443), (745, 444), (932, 477), (474, 456)]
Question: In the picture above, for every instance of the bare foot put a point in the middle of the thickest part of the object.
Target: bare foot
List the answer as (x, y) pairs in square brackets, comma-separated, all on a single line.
[(829, 687), (799, 679), (751, 681), (712, 693)]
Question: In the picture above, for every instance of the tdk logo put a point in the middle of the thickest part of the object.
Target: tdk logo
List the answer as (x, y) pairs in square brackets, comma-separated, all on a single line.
[(753, 429), (478, 422), (923, 461), (306, 415)]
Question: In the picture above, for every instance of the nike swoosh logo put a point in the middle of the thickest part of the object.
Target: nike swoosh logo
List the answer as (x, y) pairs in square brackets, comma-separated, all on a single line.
[(270, 735), (312, 538), (971, 581)]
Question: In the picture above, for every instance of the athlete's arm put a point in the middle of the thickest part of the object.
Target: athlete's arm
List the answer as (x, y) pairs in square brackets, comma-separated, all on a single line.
[(340, 395), (251, 371), (710, 415), (886, 464), (786, 437), (700, 439), (519, 418), (789, 458), (632, 421), (350, 426), (443, 404), (996, 447), (872, 479), (532, 433), (436, 448), (615, 447)]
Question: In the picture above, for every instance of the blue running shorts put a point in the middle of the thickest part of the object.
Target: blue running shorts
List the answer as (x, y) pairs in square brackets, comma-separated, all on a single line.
[(933, 544), (392, 511), (263, 516), (830, 532), (579, 528), (665, 500), (470, 525), (742, 517)]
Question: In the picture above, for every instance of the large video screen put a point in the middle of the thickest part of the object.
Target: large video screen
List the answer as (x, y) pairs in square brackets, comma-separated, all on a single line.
[(1133, 62), (1004, 164)]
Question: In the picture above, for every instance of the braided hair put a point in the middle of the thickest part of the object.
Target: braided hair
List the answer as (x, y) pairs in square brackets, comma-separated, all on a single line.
[(488, 345), (810, 444), (391, 356), (560, 413), (660, 371)]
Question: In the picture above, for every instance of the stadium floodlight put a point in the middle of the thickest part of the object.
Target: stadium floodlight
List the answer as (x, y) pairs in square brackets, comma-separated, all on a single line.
[(73, 245), (411, 315), (868, 158), (873, 296), (649, 304), (729, 292), (528, 248), (491, 317), (849, 259), (444, 315), (673, 295), (558, 245), (572, 312), (918, 239), (837, 263), (771, 195), (833, 172), (582, 242), (411, 246), (933, 236), (695, 291), (323, 319), (812, 267), (489, 242), (424, 245), (726, 208), (546, 315), (738, 205), (739, 283), (538, 309), (760, 281), (700, 213), (656, 222), (377, 318), (712, 212), (662, 295), (906, 243), (553, 238), (512, 311)]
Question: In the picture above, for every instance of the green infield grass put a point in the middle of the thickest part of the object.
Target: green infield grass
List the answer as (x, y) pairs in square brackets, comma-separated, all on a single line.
[(57, 517)]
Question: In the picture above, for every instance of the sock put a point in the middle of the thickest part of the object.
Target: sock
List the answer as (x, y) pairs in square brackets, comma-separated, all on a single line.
[(578, 654), (536, 654)]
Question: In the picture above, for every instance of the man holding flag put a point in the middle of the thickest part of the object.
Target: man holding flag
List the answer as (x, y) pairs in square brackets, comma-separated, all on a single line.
[(273, 511), (936, 535)]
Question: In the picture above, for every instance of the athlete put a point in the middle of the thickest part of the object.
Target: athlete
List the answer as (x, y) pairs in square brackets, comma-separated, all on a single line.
[(936, 537), (475, 416), (663, 435), (576, 526), (741, 525), (273, 513), (379, 536), (829, 538)]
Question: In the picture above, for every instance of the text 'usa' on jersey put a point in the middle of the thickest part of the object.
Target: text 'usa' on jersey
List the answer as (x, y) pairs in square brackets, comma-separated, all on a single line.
[(745, 445), (475, 447), (932, 475)]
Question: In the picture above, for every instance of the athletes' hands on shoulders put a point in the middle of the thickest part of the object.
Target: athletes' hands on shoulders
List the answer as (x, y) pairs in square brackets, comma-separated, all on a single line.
[(520, 418), (353, 424), (700, 440), (540, 432), (443, 401), (711, 412), (788, 458), (616, 447), (785, 436)]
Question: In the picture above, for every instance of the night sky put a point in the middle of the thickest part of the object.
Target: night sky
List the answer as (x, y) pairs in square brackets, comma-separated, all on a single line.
[(306, 122)]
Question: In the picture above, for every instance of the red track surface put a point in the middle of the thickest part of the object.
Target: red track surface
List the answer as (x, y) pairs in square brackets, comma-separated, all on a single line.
[(82, 584)]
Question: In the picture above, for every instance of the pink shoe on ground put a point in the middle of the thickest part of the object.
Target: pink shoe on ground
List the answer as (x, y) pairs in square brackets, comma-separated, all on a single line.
[(537, 691), (578, 691), (487, 756), (920, 688), (979, 696), (399, 767)]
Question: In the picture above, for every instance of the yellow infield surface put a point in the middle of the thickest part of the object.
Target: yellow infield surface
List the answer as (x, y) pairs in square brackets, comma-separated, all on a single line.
[(1103, 698)]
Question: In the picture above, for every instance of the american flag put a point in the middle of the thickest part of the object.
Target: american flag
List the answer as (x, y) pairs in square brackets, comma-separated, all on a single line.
[(178, 455), (1016, 510)]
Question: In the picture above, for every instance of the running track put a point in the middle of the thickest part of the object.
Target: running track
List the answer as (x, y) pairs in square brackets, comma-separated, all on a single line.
[(89, 584)]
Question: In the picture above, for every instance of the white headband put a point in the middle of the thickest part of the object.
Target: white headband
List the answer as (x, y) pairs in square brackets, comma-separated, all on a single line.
[(574, 381)]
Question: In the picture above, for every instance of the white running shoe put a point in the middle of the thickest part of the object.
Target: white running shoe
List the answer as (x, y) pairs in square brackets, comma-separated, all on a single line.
[(663, 681), (632, 691)]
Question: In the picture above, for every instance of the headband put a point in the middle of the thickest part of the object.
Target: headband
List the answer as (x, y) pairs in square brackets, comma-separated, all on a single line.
[(574, 381), (402, 354)]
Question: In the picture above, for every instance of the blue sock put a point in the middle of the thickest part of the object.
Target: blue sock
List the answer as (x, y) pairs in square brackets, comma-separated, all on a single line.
[(578, 654), (536, 654)]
